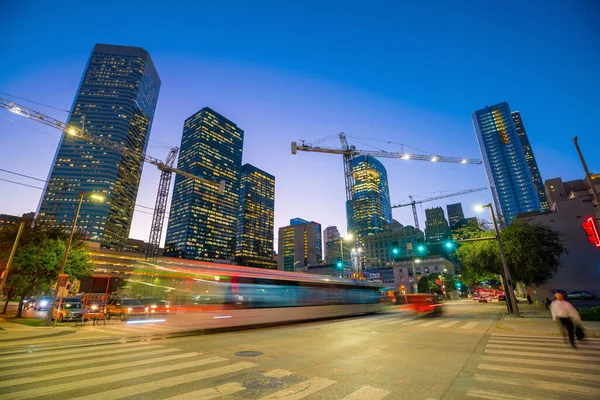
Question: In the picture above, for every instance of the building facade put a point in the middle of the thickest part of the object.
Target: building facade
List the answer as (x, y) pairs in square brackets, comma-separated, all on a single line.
[(254, 246), (298, 221), (377, 250), (558, 191), (370, 208), (330, 234), (117, 96), (408, 272), (509, 176), (436, 225), (455, 214), (203, 223), (297, 246), (530, 158)]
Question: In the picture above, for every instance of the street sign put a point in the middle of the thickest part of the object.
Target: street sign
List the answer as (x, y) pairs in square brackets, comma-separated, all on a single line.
[(62, 280), (63, 292), (409, 246)]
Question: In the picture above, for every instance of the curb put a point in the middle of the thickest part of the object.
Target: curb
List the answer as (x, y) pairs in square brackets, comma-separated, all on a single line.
[(500, 325)]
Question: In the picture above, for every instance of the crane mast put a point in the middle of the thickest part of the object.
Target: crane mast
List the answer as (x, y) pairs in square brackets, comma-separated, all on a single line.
[(414, 203), (166, 167)]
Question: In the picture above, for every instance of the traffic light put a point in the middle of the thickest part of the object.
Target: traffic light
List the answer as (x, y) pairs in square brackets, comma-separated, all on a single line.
[(395, 250), (449, 244), (421, 247), (591, 230), (339, 262)]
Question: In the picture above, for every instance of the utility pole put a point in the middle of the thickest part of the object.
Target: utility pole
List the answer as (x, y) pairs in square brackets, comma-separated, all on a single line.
[(12, 255), (587, 174)]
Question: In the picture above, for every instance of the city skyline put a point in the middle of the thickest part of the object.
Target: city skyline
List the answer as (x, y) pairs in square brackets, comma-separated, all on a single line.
[(276, 87)]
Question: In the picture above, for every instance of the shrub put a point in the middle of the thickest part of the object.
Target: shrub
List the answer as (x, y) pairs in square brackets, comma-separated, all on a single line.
[(591, 314)]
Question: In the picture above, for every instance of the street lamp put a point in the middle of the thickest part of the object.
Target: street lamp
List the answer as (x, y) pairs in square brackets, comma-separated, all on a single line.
[(415, 284), (346, 238), (510, 298), (93, 196)]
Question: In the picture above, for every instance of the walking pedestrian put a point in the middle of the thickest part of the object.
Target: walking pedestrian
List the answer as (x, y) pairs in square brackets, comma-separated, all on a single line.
[(529, 300), (564, 312)]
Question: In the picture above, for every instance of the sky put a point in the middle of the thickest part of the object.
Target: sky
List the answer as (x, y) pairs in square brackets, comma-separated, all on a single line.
[(383, 72)]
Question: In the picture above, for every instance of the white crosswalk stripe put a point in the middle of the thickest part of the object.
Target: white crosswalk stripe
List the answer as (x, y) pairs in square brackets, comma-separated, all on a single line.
[(368, 392), (469, 325), (301, 390), (449, 324), (543, 367), (435, 321)]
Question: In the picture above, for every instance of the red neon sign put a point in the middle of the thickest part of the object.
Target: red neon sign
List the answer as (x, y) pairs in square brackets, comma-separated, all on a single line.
[(591, 230)]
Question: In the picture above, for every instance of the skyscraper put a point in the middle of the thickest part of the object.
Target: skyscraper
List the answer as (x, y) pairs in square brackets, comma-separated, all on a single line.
[(117, 96), (297, 246), (508, 173), (254, 247), (202, 222), (436, 225), (530, 158), (330, 235), (298, 221), (455, 213), (370, 209)]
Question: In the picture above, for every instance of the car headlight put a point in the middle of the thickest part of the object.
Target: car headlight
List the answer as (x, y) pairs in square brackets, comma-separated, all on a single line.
[(129, 309), (94, 307), (43, 303), (153, 306)]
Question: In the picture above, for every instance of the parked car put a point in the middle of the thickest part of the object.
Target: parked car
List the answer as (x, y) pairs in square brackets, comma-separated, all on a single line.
[(28, 302), (125, 308), (42, 303), (156, 306), (581, 295), (95, 306), (69, 311)]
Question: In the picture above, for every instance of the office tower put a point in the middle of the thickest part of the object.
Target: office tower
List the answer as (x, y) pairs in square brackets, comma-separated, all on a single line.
[(455, 214), (330, 235), (117, 98), (370, 208), (436, 226), (254, 246), (377, 251), (530, 158), (202, 222), (507, 170), (297, 221), (297, 246)]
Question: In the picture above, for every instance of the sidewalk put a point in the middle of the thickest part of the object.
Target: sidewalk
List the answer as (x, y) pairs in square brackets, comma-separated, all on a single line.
[(14, 331), (536, 320)]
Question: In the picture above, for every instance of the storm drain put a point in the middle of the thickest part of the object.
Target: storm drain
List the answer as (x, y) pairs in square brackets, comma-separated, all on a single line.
[(248, 353), (263, 382)]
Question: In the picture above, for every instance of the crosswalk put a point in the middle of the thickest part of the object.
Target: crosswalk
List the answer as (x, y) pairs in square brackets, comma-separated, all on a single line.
[(152, 371), (535, 368), (442, 323)]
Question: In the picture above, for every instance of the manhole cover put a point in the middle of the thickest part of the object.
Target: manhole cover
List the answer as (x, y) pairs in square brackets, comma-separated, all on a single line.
[(263, 382), (248, 353)]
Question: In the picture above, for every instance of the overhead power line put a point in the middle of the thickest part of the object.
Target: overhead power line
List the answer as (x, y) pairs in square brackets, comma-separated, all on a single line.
[(34, 102), (22, 184)]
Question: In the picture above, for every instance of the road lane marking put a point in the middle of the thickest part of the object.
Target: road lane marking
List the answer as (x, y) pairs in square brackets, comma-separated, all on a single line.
[(92, 370), (411, 322), (277, 373), (533, 371), (368, 392), (493, 395), (211, 393), (119, 377), (449, 324), (87, 361), (146, 387), (301, 390), (76, 351), (469, 325), (497, 335), (564, 364), (430, 323), (546, 385), (542, 355), (565, 348)]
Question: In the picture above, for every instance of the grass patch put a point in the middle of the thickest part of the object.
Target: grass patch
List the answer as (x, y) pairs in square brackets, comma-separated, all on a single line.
[(30, 321)]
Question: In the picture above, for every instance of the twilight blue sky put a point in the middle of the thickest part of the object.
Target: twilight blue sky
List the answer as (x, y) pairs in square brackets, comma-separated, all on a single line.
[(394, 71)]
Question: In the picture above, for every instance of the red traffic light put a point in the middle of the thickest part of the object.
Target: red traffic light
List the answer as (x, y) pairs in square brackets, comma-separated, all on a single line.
[(591, 230)]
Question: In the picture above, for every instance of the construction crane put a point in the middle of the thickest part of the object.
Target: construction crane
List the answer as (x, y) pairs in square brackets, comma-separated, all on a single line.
[(349, 152), (166, 167), (414, 202)]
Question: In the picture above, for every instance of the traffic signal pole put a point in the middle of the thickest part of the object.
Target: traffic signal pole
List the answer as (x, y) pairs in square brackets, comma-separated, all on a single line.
[(587, 173)]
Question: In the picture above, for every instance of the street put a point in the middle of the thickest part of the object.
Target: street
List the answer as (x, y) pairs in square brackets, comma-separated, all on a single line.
[(385, 356)]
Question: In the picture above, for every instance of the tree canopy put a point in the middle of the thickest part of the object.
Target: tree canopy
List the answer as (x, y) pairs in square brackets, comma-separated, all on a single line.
[(532, 251)]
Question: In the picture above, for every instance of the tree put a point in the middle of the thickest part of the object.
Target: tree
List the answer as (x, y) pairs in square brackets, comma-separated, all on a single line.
[(37, 260), (532, 251)]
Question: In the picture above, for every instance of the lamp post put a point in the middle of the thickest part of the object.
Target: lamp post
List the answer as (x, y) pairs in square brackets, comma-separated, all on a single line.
[(93, 196), (415, 284), (347, 237), (510, 298)]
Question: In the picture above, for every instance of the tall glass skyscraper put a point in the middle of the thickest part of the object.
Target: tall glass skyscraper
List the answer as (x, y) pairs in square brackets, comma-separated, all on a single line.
[(202, 222), (117, 96), (436, 225), (255, 235), (505, 162), (530, 158), (370, 209)]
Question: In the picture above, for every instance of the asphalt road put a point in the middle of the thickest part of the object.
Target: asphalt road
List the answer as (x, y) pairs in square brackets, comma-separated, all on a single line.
[(385, 356)]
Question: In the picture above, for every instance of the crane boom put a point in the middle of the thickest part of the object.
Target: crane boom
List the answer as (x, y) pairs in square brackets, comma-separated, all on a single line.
[(166, 167), (414, 202)]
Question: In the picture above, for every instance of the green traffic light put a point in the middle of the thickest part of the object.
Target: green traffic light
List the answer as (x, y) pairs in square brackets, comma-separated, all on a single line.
[(395, 251), (449, 245), (421, 248)]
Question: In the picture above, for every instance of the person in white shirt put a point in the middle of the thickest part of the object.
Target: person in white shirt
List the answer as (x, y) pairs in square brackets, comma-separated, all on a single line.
[(564, 312)]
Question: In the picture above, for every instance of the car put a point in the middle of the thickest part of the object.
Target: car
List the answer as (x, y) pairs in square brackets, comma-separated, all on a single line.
[(125, 308), (156, 306), (95, 306), (42, 303), (484, 299), (69, 311), (502, 297), (28, 302), (581, 295)]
